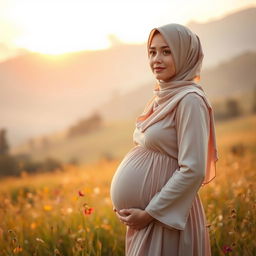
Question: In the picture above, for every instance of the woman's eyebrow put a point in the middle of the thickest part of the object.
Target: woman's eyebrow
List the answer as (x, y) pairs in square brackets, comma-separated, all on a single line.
[(162, 47)]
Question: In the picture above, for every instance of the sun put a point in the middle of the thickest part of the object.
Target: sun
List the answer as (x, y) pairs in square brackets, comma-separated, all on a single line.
[(56, 27), (64, 26)]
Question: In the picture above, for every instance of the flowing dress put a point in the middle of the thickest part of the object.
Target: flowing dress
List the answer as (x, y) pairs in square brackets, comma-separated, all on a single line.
[(162, 174)]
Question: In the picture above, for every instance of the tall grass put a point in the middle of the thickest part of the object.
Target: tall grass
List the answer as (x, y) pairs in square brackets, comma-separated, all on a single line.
[(70, 213)]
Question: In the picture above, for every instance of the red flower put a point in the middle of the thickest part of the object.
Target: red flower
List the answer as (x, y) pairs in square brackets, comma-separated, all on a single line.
[(226, 249), (88, 211), (80, 193)]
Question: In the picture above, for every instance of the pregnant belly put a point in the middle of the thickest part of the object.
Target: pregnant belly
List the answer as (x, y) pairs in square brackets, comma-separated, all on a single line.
[(140, 175)]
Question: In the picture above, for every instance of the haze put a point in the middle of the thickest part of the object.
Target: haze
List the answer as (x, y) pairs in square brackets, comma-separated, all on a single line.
[(55, 27)]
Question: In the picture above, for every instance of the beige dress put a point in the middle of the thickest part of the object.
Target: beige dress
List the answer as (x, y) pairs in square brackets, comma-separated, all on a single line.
[(162, 174)]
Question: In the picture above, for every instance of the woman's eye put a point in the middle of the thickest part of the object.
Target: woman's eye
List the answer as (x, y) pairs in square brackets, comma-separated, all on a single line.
[(151, 52), (166, 52)]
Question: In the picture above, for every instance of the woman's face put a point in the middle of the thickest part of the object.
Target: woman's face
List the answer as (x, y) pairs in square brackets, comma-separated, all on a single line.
[(160, 58)]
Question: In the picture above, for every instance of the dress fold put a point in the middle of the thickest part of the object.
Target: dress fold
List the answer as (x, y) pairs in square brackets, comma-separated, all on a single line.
[(162, 174)]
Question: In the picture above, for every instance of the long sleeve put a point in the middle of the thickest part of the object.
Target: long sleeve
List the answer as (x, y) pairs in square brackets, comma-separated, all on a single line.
[(171, 205)]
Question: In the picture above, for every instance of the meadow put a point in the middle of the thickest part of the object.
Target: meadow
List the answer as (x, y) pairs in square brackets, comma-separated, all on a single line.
[(69, 212)]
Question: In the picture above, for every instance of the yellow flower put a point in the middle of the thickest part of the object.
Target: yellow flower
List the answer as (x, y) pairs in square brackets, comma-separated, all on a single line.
[(33, 225), (74, 198), (47, 207), (46, 190), (106, 226)]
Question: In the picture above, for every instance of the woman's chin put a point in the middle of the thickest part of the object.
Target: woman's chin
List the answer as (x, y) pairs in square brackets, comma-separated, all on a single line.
[(162, 78)]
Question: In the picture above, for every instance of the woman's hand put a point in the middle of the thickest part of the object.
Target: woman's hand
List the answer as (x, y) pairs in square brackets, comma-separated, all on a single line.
[(134, 218)]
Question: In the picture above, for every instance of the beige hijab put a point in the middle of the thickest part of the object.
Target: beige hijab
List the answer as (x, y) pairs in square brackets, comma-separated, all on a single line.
[(187, 55)]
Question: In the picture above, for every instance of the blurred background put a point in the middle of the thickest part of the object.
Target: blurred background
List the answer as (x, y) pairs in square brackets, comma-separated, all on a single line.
[(74, 75), (73, 78)]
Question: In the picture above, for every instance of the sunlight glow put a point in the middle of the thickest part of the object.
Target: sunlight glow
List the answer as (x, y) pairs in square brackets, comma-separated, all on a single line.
[(57, 27)]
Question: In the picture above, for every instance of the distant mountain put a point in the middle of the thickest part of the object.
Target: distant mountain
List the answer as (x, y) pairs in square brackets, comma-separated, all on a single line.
[(229, 79), (112, 141), (236, 76), (129, 105), (227, 37), (41, 94), (232, 77)]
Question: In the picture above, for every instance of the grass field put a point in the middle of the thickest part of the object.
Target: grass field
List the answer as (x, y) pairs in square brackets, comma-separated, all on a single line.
[(69, 212)]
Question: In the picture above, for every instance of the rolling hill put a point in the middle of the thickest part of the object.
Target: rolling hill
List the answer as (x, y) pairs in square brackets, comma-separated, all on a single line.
[(229, 79), (42, 94)]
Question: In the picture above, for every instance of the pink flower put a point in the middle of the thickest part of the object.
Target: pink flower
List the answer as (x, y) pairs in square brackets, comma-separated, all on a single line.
[(226, 249)]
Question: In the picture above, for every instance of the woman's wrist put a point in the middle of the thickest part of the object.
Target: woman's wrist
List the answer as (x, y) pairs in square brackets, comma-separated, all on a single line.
[(148, 216)]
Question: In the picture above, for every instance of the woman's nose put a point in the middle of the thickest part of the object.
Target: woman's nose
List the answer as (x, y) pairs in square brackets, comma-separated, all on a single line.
[(158, 58)]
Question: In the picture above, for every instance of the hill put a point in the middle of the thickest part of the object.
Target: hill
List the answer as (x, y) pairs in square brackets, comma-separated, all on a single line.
[(115, 140), (110, 142), (42, 94), (228, 37), (233, 78)]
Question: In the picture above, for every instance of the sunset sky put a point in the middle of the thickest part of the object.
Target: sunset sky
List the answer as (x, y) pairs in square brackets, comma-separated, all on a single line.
[(59, 26)]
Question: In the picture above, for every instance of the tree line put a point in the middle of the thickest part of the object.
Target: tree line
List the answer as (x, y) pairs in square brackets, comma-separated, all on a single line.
[(15, 165), (232, 107)]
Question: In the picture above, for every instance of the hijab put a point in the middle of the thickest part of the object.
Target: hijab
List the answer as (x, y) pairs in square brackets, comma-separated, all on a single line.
[(187, 55)]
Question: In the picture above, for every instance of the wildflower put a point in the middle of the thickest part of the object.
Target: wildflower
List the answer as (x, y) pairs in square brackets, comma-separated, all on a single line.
[(17, 249), (46, 190), (106, 226), (80, 240), (69, 210), (40, 240), (96, 190), (220, 217), (74, 198), (33, 225), (80, 193), (88, 210), (47, 207), (56, 252), (233, 211), (226, 249)]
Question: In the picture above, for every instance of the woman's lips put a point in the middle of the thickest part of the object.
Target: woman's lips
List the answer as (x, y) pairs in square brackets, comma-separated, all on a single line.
[(158, 69)]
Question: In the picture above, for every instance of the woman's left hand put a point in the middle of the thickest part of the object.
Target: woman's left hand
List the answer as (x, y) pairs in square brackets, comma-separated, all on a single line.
[(134, 218)]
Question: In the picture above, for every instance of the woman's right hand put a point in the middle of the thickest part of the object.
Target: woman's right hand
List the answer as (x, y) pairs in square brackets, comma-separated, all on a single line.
[(134, 218)]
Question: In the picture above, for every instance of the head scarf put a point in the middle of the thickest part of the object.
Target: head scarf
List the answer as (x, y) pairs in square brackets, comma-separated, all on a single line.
[(187, 55)]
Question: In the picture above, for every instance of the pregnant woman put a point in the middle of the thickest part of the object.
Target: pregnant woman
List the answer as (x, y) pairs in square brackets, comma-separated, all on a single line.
[(155, 188)]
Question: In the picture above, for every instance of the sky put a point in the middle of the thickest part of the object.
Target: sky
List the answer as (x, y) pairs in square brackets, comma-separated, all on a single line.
[(61, 26)]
